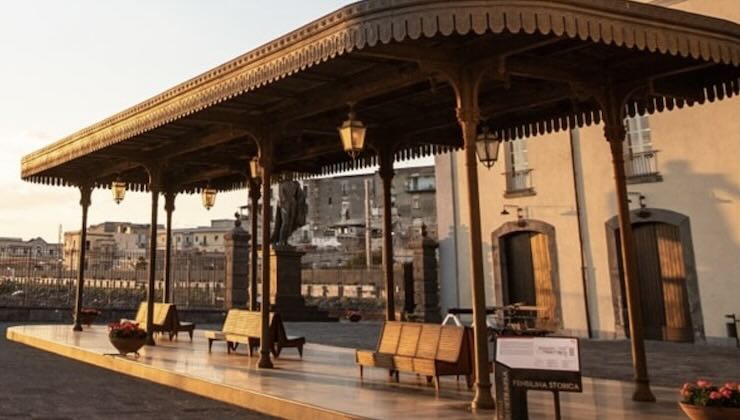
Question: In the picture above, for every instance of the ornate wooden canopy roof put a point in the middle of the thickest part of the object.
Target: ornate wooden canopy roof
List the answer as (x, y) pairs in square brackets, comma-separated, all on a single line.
[(544, 56)]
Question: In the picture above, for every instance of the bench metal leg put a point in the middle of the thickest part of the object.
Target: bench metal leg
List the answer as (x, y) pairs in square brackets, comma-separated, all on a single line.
[(210, 344), (436, 383), (300, 351), (361, 371)]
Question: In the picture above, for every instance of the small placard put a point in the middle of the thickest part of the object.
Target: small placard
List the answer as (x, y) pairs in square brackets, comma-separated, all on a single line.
[(541, 353)]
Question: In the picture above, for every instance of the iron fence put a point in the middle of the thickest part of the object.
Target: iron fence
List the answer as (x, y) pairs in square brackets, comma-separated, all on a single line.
[(111, 280)]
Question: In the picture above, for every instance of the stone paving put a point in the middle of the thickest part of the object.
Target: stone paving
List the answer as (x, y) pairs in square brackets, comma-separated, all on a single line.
[(40, 385)]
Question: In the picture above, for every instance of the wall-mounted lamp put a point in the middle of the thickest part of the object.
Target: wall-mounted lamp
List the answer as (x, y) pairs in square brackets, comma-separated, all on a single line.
[(642, 201), (519, 213)]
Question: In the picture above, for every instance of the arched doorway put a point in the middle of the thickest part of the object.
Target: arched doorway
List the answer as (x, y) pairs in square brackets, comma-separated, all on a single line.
[(666, 276), (525, 261)]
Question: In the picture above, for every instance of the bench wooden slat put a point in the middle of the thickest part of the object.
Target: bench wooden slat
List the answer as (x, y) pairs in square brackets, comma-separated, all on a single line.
[(428, 341), (409, 339), (450, 343), (390, 337)]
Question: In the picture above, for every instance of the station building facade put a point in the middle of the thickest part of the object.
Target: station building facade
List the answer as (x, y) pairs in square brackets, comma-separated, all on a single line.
[(550, 231)]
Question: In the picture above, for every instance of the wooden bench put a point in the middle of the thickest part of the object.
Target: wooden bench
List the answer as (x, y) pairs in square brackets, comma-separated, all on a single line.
[(426, 349), (165, 320), (245, 327), (180, 326)]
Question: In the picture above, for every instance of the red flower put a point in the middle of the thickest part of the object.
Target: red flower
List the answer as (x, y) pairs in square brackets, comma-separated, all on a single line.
[(703, 383), (714, 395)]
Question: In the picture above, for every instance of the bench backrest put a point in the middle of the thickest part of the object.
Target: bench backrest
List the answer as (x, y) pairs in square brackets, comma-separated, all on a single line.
[(447, 343), (163, 314), (244, 322), (388, 342)]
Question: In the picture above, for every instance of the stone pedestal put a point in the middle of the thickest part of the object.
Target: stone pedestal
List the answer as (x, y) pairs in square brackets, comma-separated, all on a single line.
[(426, 283), (285, 287), (236, 249)]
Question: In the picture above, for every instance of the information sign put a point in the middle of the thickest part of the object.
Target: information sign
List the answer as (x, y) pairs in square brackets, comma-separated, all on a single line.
[(534, 363)]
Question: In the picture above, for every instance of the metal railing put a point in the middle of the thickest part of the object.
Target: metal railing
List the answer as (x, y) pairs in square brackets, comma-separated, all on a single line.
[(519, 180), (641, 164), (116, 280)]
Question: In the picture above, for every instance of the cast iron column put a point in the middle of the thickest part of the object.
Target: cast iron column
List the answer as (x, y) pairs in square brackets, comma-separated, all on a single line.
[(386, 175), (266, 338), (85, 192), (612, 109), (468, 115), (154, 185), (254, 196), (169, 206)]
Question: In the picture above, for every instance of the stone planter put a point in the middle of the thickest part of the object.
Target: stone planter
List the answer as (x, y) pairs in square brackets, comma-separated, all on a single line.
[(128, 345), (696, 412)]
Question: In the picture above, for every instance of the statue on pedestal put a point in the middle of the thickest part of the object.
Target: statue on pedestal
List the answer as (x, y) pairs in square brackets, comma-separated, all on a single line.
[(291, 212)]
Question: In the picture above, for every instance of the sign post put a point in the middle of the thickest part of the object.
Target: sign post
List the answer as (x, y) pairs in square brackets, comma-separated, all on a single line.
[(534, 363)]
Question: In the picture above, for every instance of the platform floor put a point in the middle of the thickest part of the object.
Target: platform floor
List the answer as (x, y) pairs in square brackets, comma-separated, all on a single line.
[(324, 384)]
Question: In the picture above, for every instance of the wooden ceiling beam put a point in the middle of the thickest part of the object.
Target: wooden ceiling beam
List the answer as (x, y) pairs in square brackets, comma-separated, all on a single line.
[(184, 145), (357, 90)]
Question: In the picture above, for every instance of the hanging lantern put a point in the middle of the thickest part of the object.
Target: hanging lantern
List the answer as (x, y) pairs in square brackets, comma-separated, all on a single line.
[(118, 188), (487, 145), (255, 169), (208, 195), (352, 133)]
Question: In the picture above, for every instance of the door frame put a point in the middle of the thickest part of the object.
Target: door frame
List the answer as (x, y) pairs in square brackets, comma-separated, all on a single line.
[(683, 224), (527, 225)]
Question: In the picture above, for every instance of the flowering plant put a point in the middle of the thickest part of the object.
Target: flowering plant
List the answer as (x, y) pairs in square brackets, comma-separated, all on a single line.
[(704, 393), (125, 329)]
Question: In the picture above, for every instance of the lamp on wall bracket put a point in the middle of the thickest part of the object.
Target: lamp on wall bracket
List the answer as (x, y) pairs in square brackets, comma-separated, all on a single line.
[(520, 219), (352, 133), (118, 187), (486, 146), (643, 213), (208, 195)]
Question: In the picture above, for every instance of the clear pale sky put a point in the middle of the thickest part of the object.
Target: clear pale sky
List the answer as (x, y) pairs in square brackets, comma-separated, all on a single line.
[(67, 64)]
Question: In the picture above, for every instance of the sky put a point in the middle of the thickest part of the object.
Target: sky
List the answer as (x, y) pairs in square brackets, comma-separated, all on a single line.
[(67, 65)]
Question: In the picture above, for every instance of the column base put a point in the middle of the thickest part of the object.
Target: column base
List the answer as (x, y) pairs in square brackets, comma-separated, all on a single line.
[(642, 391), (264, 361), (77, 327), (483, 399), (150, 340)]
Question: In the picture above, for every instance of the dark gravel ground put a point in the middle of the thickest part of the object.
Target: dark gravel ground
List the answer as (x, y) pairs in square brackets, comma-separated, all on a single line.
[(39, 385)]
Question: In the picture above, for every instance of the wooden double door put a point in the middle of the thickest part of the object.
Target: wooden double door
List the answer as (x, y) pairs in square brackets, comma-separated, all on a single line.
[(661, 276), (527, 269)]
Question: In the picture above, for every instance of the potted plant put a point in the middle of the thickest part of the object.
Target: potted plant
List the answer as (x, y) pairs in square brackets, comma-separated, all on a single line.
[(704, 401), (126, 337), (88, 316)]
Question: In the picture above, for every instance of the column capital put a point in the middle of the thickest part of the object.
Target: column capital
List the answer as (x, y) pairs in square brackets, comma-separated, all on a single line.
[(169, 201), (85, 195)]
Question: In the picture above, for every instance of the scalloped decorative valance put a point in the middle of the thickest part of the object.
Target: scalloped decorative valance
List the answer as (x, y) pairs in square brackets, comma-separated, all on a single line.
[(366, 24)]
